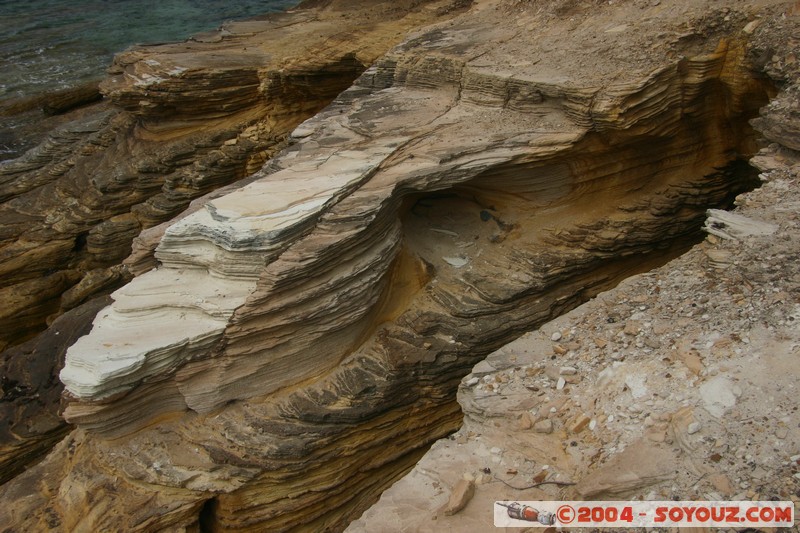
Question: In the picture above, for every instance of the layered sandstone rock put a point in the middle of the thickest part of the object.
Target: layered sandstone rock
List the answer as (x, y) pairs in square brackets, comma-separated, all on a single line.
[(648, 392), (303, 338), (31, 391), (179, 120)]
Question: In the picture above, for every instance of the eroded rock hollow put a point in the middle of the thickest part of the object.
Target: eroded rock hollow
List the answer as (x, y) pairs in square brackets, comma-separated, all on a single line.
[(303, 335), (178, 121)]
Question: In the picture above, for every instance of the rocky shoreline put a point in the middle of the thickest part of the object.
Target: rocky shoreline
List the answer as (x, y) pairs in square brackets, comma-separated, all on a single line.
[(72, 208), (297, 338)]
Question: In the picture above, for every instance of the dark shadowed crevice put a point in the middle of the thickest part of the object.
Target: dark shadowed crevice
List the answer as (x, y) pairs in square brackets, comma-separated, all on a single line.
[(207, 521)]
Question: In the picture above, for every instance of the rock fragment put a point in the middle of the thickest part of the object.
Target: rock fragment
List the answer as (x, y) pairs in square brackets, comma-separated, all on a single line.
[(638, 467), (733, 226), (632, 327), (524, 421), (718, 395), (692, 360), (579, 424), (543, 426), (462, 493)]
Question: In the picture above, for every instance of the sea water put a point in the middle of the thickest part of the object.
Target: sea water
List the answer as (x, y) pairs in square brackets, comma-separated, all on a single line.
[(56, 44)]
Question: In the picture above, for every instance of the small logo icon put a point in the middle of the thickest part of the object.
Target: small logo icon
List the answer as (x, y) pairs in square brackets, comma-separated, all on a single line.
[(565, 514), (527, 513)]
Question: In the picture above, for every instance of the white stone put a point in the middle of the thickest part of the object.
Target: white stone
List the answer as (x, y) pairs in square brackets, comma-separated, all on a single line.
[(636, 384), (717, 395), (556, 336), (751, 26), (605, 376), (457, 262), (305, 129), (733, 226)]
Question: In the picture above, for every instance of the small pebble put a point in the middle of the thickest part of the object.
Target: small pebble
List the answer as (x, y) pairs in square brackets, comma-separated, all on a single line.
[(555, 336), (693, 428), (543, 426)]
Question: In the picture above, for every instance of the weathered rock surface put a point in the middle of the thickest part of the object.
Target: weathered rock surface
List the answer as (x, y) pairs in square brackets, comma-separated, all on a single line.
[(302, 340), (31, 392), (264, 251), (26, 121), (666, 437), (178, 121), (168, 131), (697, 401)]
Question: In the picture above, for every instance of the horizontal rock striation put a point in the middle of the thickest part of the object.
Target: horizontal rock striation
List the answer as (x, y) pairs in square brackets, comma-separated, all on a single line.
[(640, 393), (178, 120), (211, 263), (303, 338), (31, 392)]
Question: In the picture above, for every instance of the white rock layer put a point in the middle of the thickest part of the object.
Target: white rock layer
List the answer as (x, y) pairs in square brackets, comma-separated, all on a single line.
[(211, 261)]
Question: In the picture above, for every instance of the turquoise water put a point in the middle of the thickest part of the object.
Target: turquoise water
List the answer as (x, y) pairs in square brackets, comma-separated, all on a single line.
[(54, 44)]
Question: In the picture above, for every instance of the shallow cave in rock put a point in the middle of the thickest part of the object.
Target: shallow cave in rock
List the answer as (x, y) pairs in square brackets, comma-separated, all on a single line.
[(615, 204), (437, 221)]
